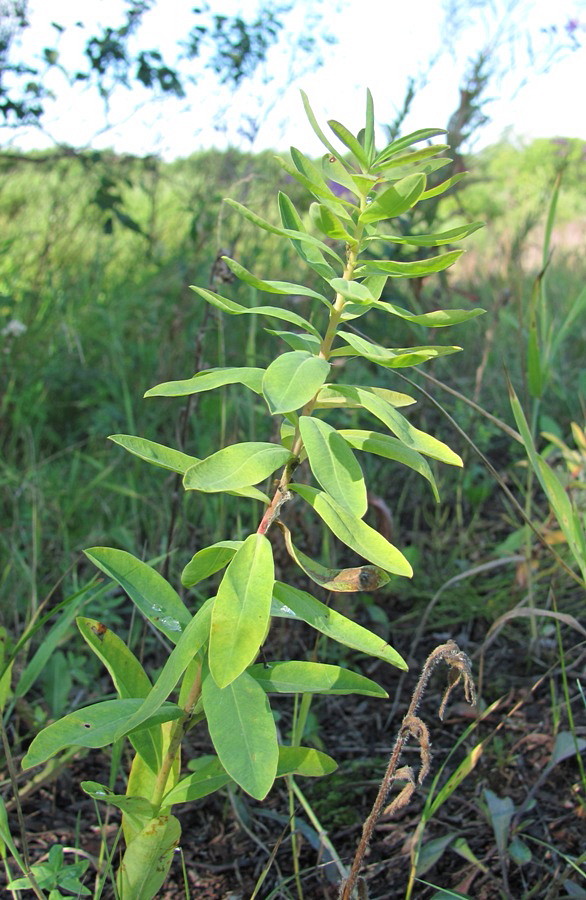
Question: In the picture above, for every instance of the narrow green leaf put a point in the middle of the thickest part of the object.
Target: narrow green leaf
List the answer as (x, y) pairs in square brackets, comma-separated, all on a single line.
[(306, 342), (334, 465), (138, 809), (319, 190), (312, 254), (352, 290), (396, 200), (296, 232), (350, 141), (438, 318), (444, 186), (358, 578), (210, 775), (157, 454), (314, 124), (209, 379), (328, 223), (433, 240), (411, 158), (369, 147), (235, 467), (415, 269), (243, 732), (292, 380), (154, 597), (423, 134), (208, 561), (330, 398), (93, 726), (355, 533), (298, 676), (412, 437), (148, 858), (334, 169), (241, 610), (314, 175), (129, 677), (291, 603), (501, 811), (174, 460), (236, 309), (194, 636), (396, 358), (390, 448), (432, 851), (275, 287)]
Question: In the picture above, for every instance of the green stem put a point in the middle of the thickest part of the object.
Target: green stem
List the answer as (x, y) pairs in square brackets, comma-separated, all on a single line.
[(281, 494), (177, 734)]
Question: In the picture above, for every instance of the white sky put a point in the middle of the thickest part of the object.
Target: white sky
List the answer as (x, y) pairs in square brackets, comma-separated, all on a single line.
[(380, 43)]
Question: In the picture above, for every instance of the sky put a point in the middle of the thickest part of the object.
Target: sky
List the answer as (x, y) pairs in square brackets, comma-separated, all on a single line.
[(379, 44)]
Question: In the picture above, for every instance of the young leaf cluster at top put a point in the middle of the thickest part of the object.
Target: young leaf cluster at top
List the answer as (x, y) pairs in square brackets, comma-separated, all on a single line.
[(358, 196)]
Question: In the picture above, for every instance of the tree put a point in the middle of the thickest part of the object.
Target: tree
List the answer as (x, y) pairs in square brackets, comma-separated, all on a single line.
[(115, 57)]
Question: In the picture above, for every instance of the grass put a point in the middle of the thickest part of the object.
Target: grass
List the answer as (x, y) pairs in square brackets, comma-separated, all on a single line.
[(108, 315)]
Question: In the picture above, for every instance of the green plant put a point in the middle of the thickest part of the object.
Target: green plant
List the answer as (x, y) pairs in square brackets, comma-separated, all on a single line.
[(213, 661), (55, 876)]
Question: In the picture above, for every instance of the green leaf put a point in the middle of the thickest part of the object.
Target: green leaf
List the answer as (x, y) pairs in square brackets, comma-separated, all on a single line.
[(412, 437), (352, 290), (396, 358), (500, 811), (390, 448), (313, 122), (444, 186), (415, 269), (243, 732), (334, 465), (433, 240), (310, 253), (210, 775), (241, 610), (330, 398), (355, 533), (306, 342), (275, 287), (209, 379), (137, 809), (174, 460), (208, 561), (314, 176), (358, 578), (432, 851), (154, 453), (413, 157), (93, 726), (438, 318), (328, 223), (236, 309), (292, 380), (369, 147), (154, 597), (334, 169), (297, 676), (236, 466), (295, 233), (129, 677), (351, 142), (396, 200), (194, 637), (423, 134), (291, 603), (148, 858), (316, 187)]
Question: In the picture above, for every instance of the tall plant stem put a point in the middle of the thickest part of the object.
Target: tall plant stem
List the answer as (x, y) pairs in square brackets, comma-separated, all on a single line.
[(282, 495), (177, 734)]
